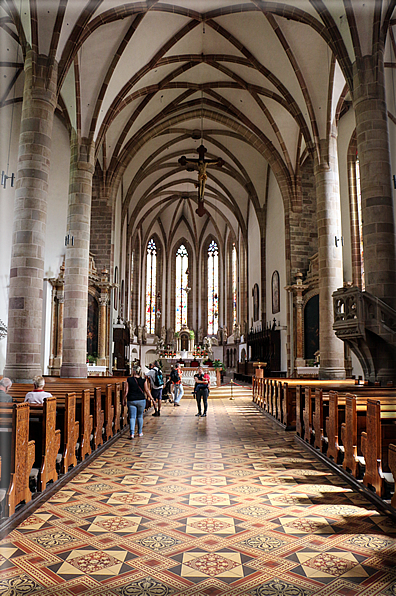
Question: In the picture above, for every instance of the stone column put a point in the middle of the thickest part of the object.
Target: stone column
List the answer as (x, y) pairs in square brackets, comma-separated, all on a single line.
[(299, 289), (59, 345), (77, 259), (102, 332), (30, 218), (354, 217), (375, 177), (330, 257)]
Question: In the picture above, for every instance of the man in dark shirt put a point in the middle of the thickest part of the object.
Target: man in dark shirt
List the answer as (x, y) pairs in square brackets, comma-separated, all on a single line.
[(201, 390), (5, 386)]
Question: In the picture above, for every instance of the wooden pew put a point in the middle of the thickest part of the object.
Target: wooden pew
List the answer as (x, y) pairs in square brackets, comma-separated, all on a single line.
[(71, 431), (392, 467), (86, 424), (319, 417), (14, 425), (50, 440), (375, 442), (288, 406)]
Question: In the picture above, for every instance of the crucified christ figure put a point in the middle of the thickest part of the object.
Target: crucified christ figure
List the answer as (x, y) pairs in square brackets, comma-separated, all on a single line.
[(202, 164)]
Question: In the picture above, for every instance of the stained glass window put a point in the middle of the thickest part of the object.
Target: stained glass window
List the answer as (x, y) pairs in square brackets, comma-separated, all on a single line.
[(151, 285), (181, 287), (234, 278), (359, 206), (213, 288)]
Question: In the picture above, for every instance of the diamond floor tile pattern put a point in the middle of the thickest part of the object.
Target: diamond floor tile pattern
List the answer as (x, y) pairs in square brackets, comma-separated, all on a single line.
[(224, 505)]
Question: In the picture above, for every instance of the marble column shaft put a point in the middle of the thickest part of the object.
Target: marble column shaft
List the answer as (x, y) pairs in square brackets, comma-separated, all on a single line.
[(375, 177), (77, 259), (25, 311), (330, 257)]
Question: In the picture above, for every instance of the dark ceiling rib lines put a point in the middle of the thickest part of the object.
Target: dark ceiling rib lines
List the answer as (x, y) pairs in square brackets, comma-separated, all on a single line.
[(158, 78)]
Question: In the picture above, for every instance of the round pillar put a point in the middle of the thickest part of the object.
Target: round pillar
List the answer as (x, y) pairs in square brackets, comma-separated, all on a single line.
[(375, 177), (330, 257), (25, 310), (77, 259)]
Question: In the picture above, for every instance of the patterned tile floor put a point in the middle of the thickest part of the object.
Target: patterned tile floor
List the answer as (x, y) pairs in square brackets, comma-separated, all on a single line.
[(223, 505)]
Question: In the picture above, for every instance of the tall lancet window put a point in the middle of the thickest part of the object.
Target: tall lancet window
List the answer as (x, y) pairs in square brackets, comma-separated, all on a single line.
[(234, 281), (213, 288), (151, 285), (359, 207), (181, 287)]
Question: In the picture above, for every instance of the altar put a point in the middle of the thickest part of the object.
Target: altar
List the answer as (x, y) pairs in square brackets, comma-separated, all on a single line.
[(189, 372)]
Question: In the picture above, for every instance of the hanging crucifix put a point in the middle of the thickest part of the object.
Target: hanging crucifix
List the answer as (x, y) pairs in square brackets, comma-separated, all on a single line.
[(202, 164)]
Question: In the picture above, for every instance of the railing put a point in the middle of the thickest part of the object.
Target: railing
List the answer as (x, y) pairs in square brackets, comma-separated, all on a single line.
[(355, 311)]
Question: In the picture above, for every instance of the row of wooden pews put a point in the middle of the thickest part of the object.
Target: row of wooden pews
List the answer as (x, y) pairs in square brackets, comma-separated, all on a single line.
[(40, 442), (277, 397), (352, 425)]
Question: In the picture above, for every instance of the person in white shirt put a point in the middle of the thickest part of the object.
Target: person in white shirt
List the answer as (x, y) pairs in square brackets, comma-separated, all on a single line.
[(38, 395)]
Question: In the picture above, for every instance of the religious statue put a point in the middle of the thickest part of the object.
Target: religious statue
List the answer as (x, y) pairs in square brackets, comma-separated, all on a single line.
[(144, 335), (163, 333), (201, 164), (159, 342), (225, 334), (237, 332), (207, 342), (139, 333)]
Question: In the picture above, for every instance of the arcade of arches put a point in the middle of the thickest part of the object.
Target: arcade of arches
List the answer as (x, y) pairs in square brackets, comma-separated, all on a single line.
[(184, 179), (104, 106)]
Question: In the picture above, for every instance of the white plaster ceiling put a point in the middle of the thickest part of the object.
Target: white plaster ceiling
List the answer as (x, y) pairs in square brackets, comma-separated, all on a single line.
[(253, 76)]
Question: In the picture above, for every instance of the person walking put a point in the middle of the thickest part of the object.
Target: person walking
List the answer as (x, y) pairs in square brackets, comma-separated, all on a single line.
[(176, 378), (156, 380), (201, 390), (135, 392)]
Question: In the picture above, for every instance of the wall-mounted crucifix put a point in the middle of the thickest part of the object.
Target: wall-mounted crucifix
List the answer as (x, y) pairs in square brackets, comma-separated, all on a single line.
[(202, 164)]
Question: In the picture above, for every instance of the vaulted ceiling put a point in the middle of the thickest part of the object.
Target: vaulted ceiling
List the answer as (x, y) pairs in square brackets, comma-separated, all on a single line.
[(257, 82)]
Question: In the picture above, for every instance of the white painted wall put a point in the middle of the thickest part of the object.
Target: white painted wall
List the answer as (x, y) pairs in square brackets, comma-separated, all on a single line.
[(276, 260), (7, 209), (254, 262), (346, 127), (58, 189)]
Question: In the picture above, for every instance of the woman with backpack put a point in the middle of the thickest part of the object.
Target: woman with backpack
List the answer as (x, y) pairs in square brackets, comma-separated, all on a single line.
[(156, 381), (178, 391), (136, 390)]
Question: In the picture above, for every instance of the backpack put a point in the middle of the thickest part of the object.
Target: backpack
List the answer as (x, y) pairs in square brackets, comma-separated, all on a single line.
[(175, 376), (158, 379)]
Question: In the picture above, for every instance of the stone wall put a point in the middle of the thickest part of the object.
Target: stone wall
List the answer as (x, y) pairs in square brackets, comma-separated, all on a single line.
[(303, 226), (101, 223)]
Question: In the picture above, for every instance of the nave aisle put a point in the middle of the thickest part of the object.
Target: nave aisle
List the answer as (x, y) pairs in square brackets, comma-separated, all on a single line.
[(223, 505)]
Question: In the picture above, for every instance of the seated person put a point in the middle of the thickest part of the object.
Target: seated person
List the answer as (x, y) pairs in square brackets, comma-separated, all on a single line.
[(5, 386), (38, 395)]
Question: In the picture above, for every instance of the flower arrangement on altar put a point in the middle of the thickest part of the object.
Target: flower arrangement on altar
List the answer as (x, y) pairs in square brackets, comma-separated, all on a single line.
[(167, 352), (200, 352)]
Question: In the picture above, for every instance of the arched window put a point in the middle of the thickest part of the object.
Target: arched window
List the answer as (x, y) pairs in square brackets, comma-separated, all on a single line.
[(181, 287), (151, 285), (234, 277), (213, 288)]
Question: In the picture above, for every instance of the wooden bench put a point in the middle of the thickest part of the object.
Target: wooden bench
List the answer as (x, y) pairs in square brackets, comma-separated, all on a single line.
[(47, 448), (115, 413), (392, 467), (18, 456), (375, 442)]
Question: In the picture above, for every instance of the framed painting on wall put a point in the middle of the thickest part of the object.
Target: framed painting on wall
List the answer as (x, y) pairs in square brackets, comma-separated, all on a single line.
[(275, 293)]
